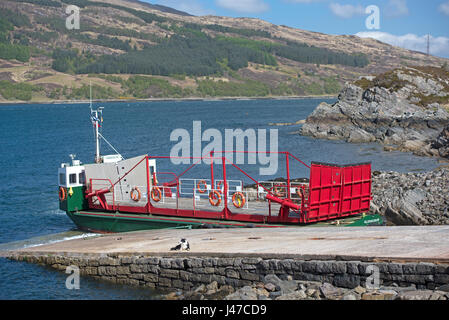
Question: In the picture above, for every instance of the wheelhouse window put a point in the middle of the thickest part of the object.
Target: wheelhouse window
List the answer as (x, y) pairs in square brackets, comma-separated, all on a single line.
[(62, 179), (82, 178), (72, 178)]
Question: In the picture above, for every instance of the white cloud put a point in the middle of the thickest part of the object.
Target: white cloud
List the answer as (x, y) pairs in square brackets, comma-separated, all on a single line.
[(396, 8), (439, 46), (244, 6), (444, 8), (189, 6), (346, 11)]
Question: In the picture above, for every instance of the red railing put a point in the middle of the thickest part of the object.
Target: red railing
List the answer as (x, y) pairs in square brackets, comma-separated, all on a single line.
[(312, 204)]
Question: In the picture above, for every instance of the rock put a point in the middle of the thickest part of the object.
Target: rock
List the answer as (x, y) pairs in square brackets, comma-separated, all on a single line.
[(404, 289), (373, 296), (402, 212), (200, 289), (172, 296), (444, 287), (415, 295), (436, 296), (388, 110), (310, 284), (360, 136), (349, 296), (359, 290), (374, 209), (271, 278), (412, 198), (441, 143), (388, 294), (311, 292), (296, 295), (329, 291), (221, 293), (213, 286), (285, 286), (244, 293), (262, 292), (274, 295), (270, 287)]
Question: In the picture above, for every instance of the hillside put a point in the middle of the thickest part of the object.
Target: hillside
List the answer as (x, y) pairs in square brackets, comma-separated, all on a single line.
[(128, 49)]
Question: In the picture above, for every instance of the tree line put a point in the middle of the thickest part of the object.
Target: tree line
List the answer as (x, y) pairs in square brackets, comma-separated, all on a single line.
[(197, 54), (8, 48)]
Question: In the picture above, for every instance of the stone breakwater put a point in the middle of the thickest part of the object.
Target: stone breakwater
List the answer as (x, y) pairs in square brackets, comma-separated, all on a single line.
[(412, 198), (249, 277)]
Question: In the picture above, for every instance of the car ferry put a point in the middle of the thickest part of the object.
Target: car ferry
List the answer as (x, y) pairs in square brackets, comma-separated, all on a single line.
[(114, 194)]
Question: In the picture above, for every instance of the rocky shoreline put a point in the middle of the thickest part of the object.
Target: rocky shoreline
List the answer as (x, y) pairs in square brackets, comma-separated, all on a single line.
[(406, 109), (274, 288), (412, 198)]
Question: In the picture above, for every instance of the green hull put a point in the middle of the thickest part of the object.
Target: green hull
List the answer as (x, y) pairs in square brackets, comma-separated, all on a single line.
[(107, 222)]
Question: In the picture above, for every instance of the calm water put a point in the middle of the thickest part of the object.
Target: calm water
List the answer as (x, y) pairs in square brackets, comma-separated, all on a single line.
[(35, 139)]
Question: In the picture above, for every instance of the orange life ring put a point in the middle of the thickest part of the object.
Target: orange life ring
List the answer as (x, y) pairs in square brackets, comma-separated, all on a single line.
[(198, 186), (215, 198), (135, 197), (156, 194), (62, 194), (240, 201)]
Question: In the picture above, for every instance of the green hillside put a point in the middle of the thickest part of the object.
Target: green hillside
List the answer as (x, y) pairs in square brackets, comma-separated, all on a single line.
[(128, 50)]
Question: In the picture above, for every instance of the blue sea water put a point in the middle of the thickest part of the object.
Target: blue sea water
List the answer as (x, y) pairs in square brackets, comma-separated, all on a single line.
[(36, 138)]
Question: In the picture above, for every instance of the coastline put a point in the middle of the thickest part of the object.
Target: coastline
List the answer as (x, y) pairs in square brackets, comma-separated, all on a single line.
[(4, 103)]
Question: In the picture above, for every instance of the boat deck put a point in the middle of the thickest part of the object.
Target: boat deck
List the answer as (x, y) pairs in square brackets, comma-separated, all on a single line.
[(250, 208)]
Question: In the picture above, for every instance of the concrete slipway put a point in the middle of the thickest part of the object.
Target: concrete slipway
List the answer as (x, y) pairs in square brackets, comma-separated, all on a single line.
[(414, 243)]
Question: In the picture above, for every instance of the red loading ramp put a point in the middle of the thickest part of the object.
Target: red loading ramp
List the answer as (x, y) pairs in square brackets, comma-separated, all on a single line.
[(338, 191)]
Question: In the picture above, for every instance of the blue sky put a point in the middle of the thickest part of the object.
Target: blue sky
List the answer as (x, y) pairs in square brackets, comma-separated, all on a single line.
[(403, 23)]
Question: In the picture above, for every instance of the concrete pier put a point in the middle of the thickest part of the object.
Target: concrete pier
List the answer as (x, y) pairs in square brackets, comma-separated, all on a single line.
[(339, 255), (429, 243)]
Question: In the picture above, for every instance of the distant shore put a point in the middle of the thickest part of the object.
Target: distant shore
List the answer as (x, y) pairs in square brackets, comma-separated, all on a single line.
[(170, 99)]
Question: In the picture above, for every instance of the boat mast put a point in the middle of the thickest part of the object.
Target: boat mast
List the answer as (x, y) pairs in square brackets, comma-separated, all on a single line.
[(95, 117), (97, 139)]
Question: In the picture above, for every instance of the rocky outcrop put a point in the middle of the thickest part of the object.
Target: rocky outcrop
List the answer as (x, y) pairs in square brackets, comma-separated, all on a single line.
[(402, 109), (441, 143), (412, 198)]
